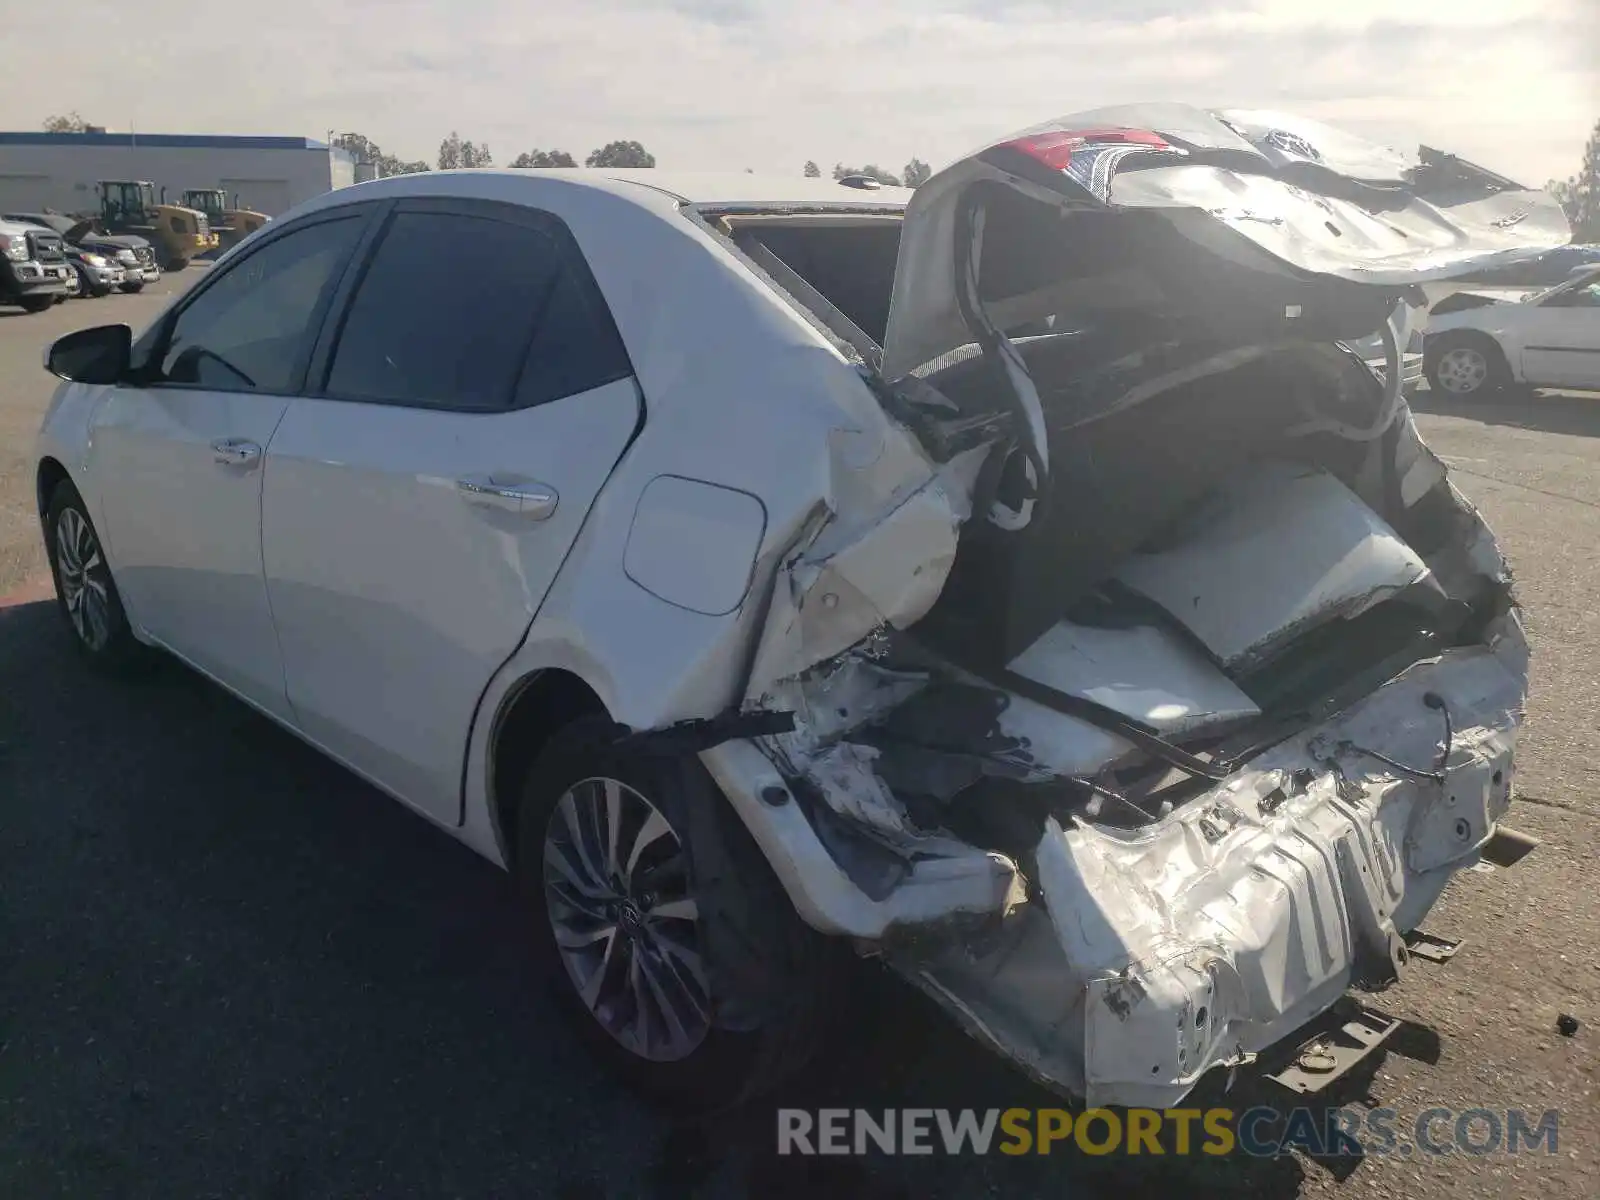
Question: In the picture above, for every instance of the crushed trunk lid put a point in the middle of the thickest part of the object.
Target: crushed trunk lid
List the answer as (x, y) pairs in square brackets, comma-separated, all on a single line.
[(1251, 226)]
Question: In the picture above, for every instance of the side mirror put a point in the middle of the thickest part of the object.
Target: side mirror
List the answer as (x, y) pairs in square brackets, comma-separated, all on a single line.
[(97, 355)]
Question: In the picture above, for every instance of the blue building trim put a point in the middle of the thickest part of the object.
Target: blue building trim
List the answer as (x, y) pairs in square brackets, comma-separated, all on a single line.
[(165, 141)]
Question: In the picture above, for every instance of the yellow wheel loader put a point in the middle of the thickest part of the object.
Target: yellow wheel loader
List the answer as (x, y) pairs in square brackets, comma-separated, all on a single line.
[(177, 233), (231, 224)]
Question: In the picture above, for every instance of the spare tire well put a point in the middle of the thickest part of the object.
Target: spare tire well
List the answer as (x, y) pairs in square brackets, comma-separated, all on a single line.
[(534, 711)]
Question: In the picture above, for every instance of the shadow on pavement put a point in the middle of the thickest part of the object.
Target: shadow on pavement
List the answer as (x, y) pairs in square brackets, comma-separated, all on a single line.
[(1542, 412), (227, 967)]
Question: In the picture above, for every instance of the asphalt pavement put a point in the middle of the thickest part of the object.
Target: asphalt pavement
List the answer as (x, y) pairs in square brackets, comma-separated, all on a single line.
[(230, 969)]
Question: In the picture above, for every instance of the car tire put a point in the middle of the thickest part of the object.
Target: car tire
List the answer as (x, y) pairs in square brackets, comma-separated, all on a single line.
[(678, 911), (88, 290), (1465, 366), (131, 288), (36, 304), (85, 592)]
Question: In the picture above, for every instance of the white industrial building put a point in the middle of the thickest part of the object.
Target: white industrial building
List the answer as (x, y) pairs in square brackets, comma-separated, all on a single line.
[(269, 174)]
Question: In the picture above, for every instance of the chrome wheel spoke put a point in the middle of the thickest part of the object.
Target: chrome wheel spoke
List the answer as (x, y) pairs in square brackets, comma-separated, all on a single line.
[(652, 831), (682, 909), (683, 961), (665, 997)]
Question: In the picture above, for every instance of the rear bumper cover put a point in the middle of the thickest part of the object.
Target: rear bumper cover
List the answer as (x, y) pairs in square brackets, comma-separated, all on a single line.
[(1143, 959)]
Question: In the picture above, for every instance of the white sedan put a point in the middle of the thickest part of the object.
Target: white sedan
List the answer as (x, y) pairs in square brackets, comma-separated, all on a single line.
[(708, 553), (1549, 338)]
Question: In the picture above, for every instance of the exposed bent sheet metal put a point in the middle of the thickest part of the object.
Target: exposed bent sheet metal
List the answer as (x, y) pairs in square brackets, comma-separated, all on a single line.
[(1121, 961), (1269, 191), (1309, 551)]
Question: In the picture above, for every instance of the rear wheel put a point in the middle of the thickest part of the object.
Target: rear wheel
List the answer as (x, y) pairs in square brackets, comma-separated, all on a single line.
[(131, 288), (670, 945), (175, 264), (36, 304), (85, 591), (1465, 365)]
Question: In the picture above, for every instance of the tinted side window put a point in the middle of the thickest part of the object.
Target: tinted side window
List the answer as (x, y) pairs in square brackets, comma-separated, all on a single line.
[(468, 312), (248, 330)]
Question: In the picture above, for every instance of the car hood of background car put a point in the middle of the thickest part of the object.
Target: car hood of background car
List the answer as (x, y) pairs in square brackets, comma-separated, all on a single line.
[(1253, 226)]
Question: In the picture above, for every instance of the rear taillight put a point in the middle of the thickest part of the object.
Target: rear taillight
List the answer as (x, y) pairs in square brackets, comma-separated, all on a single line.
[(1055, 149)]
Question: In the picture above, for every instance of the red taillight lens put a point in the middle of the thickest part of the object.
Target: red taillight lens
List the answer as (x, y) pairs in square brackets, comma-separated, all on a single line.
[(1055, 149)]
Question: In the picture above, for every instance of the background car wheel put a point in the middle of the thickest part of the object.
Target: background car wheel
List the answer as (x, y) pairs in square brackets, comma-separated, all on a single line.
[(36, 304), (1466, 365), (668, 942), (88, 289), (85, 591), (131, 288)]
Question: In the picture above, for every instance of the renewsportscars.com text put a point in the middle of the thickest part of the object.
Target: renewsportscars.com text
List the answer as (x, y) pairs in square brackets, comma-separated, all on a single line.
[(1260, 1132)]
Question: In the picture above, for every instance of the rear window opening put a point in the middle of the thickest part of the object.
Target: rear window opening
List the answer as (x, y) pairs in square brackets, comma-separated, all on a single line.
[(846, 261)]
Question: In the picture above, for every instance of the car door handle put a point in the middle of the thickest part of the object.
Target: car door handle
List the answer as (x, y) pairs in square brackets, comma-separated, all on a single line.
[(532, 500), (235, 452)]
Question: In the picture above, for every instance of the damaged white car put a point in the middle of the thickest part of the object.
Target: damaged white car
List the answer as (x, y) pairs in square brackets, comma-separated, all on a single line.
[(1022, 580)]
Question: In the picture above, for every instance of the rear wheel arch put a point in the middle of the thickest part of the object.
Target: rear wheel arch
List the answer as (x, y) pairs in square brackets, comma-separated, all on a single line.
[(535, 709), (51, 475)]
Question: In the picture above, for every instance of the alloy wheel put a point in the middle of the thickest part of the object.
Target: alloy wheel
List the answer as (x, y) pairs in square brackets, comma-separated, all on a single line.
[(616, 886), (84, 580), (1463, 369)]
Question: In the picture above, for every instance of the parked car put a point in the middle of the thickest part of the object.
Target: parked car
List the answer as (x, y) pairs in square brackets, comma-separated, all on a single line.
[(706, 552), (34, 271), (1549, 338), (1545, 271), (129, 251)]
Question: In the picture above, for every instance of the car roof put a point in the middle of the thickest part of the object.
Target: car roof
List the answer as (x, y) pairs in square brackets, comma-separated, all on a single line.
[(709, 189)]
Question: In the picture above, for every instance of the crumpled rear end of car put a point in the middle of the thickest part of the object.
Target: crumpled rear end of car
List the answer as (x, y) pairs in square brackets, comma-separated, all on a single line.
[(1154, 701)]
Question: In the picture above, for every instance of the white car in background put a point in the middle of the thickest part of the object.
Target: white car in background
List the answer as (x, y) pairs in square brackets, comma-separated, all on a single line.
[(709, 553), (1549, 338)]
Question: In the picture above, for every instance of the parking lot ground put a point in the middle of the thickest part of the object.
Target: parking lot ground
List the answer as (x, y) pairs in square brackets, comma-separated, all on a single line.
[(228, 968)]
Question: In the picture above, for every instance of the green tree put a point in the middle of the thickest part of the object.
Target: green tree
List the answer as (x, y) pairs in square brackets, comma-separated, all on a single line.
[(812, 170), (916, 173), (70, 123), (544, 158), (620, 154), (455, 152), (364, 149), (1580, 195), (887, 178)]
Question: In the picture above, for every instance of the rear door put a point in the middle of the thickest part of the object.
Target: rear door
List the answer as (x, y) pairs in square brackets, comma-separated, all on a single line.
[(1562, 343), (468, 407)]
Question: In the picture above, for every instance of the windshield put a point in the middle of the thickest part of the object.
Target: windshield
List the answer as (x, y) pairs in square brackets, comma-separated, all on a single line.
[(1573, 284)]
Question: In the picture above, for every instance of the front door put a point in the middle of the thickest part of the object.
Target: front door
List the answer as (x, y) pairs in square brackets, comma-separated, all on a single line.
[(179, 457), (1563, 343), (420, 502)]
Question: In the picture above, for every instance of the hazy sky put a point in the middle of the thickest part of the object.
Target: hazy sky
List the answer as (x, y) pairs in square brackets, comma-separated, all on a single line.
[(1513, 84)]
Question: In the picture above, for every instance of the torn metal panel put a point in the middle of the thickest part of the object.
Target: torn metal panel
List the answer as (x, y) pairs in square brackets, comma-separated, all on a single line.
[(1271, 211), (845, 777), (947, 881), (1142, 671), (861, 571), (1216, 932), (1309, 551)]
